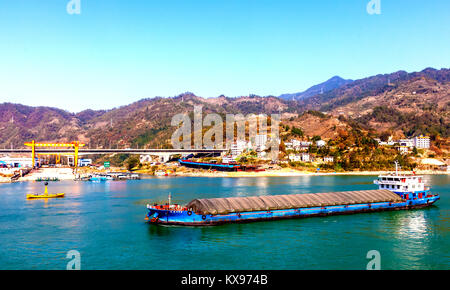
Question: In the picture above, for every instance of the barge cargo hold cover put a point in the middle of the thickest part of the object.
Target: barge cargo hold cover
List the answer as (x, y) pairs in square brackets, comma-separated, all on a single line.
[(216, 206)]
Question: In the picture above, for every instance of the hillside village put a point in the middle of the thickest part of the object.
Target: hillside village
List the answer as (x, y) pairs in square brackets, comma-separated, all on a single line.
[(314, 154)]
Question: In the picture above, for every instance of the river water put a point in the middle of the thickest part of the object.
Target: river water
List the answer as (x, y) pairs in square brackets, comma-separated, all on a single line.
[(104, 222)]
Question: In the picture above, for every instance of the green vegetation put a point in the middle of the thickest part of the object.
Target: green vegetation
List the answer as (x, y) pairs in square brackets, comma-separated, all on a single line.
[(317, 114), (132, 162), (297, 131), (116, 160), (146, 137), (411, 124)]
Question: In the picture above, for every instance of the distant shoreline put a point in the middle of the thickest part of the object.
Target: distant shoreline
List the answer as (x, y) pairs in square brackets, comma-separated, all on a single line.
[(294, 173), (66, 174)]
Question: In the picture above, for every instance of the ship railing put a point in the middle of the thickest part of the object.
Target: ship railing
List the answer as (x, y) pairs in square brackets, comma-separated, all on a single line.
[(377, 181)]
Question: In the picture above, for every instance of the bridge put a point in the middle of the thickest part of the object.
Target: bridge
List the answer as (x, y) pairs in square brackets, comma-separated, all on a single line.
[(76, 148), (112, 151), (164, 154)]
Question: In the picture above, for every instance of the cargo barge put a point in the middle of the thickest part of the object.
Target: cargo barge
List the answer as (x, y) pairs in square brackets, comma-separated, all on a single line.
[(396, 192), (210, 166)]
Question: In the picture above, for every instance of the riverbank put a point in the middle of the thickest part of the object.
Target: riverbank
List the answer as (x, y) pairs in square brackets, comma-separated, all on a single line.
[(52, 173), (286, 172)]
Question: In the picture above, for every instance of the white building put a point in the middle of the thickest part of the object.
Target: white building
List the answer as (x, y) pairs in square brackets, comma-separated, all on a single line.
[(320, 143), (305, 157), (422, 142), (295, 157), (403, 149), (298, 145), (237, 148), (406, 142), (328, 159), (84, 162), (295, 144), (260, 142), (17, 162), (305, 143), (288, 146)]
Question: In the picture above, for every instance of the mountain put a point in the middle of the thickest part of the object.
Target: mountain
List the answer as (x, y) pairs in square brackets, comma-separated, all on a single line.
[(331, 84), (410, 103), (375, 86), (401, 103), (19, 123)]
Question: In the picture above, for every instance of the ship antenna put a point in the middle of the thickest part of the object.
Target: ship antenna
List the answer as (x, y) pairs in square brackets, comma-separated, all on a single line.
[(396, 167), (170, 198)]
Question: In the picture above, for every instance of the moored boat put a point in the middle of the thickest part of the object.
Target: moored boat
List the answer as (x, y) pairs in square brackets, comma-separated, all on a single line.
[(210, 166), (396, 192), (100, 177)]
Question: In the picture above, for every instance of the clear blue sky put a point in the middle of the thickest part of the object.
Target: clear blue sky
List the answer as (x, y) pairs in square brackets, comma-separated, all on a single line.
[(117, 52)]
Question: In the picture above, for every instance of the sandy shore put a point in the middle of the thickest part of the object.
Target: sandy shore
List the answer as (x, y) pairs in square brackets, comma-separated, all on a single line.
[(5, 179), (286, 172), (60, 173)]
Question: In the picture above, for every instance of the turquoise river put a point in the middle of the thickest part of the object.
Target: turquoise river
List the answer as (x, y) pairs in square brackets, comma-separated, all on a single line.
[(105, 223)]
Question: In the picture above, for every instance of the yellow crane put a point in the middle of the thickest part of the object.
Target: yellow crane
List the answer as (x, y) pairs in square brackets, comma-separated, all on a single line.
[(75, 145)]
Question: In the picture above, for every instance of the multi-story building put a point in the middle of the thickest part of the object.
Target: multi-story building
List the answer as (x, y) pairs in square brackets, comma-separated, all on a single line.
[(238, 147), (295, 157), (422, 142), (260, 141), (320, 143), (295, 144), (328, 159), (406, 142), (288, 145), (305, 157)]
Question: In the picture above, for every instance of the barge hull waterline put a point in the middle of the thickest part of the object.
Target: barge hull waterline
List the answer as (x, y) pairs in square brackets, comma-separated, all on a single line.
[(298, 216)]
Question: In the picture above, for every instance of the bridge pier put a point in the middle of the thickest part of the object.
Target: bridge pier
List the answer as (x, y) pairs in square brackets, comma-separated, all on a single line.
[(145, 158), (164, 157)]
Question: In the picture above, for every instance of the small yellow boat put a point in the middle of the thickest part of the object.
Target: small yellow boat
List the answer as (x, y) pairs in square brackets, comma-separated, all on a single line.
[(45, 195), (55, 195)]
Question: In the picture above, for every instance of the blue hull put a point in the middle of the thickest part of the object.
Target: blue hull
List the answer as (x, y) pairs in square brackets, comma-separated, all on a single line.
[(187, 218), (203, 165)]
